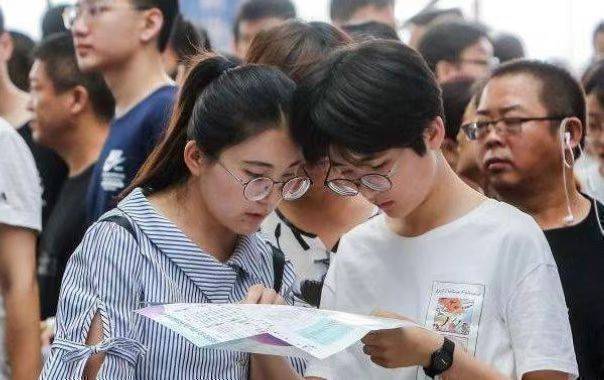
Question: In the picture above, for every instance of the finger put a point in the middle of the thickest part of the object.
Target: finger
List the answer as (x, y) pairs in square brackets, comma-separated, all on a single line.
[(280, 300), (371, 338), (268, 297), (254, 293), (371, 350), (382, 362)]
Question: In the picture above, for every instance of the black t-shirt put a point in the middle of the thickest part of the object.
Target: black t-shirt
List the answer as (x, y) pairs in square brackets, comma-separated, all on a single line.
[(64, 231), (579, 253), (52, 169)]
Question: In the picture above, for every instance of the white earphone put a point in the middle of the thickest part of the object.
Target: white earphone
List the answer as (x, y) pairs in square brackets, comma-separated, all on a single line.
[(566, 146)]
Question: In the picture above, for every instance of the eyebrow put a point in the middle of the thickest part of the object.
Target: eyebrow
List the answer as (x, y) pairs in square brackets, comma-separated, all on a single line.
[(269, 166), (506, 109)]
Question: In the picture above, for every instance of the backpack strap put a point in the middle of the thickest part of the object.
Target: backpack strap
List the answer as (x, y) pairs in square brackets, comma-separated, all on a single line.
[(278, 267), (123, 222)]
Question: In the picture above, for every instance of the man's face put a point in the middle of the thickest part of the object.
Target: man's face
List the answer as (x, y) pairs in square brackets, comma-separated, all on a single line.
[(107, 33), (599, 45), (522, 160), (595, 128), (248, 30), (412, 176), (475, 61), (50, 109), (385, 15)]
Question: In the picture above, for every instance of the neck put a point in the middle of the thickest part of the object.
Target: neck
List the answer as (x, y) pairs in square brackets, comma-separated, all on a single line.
[(83, 145), (449, 199), (132, 81), (546, 200), (186, 207), (13, 107)]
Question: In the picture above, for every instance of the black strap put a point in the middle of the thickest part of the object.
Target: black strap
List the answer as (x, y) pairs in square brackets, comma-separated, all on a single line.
[(278, 267), (123, 222)]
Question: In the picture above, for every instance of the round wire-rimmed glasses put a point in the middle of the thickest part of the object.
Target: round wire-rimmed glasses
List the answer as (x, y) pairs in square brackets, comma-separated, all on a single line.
[(351, 187), (259, 188)]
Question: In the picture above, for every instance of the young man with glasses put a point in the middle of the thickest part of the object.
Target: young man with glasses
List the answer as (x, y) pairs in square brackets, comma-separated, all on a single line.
[(457, 48), (123, 40), (530, 129), (476, 273)]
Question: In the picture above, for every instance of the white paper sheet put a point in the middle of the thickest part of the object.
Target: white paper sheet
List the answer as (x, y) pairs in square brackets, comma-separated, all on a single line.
[(268, 329)]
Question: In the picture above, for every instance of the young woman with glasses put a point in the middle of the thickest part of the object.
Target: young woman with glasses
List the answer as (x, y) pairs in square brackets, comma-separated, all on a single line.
[(186, 232)]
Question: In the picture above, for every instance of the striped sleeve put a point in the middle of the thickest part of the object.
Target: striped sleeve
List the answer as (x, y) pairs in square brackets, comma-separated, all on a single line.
[(287, 292), (101, 277)]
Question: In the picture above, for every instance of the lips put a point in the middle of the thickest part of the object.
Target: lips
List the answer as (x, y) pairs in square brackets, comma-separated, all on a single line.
[(497, 164), (385, 205)]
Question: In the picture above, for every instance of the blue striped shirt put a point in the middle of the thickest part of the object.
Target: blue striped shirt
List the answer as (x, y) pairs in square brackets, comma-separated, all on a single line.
[(113, 273)]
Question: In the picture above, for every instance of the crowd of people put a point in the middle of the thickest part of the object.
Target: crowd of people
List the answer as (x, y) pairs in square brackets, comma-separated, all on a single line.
[(447, 180)]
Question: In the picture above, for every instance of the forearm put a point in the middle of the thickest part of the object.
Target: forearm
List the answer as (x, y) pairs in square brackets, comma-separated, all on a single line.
[(466, 366), (268, 367), (23, 330)]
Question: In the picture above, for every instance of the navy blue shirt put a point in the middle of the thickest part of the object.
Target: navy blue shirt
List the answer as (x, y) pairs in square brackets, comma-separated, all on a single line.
[(131, 138)]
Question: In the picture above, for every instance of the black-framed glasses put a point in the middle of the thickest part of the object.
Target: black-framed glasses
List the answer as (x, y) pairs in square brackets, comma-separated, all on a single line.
[(351, 187), (92, 10), (259, 188), (506, 126)]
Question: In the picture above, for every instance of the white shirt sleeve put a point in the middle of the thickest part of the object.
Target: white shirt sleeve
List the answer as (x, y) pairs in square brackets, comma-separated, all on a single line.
[(536, 313), (20, 190)]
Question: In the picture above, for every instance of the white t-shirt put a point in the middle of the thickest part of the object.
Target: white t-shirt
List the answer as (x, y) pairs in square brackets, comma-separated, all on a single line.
[(20, 189), (588, 171), (487, 281), (20, 200)]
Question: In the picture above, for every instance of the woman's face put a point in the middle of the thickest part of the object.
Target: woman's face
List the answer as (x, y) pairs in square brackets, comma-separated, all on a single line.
[(270, 154)]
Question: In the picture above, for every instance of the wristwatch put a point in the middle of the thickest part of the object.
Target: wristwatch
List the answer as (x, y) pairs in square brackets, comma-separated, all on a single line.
[(441, 360)]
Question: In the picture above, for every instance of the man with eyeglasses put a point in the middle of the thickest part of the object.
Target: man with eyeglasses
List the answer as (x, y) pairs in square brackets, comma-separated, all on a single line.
[(530, 128), (123, 40), (477, 274), (457, 48)]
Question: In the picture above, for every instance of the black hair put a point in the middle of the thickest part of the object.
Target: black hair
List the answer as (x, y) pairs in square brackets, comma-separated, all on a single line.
[(366, 98), (186, 41), (507, 47), (593, 83), (253, 10), (599, 29), (169, 9), (52, 21), (457, 94), (296, 46), (427, 16), (371, 30), (57, 53), (220, 105), (343, 10), (446, 41), (21, 60), (561, 94)]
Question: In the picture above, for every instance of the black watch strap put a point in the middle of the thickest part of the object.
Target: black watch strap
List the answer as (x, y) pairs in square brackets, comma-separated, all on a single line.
[(441, 360)]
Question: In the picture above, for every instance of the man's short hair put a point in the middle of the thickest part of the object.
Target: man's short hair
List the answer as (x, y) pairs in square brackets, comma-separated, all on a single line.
[(593, 82), (366, 98), (343, 10), (447, 40), (253, 10), (21, 60), (169, 9), (507, 47), (457, 94), (428, 16), (371, 30), (52, 21), (561, 94), (57, 53)]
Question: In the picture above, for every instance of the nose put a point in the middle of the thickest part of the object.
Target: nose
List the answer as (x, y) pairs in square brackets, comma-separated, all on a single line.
[(80, 28), (367, 193), (493, 138), (30, 104)]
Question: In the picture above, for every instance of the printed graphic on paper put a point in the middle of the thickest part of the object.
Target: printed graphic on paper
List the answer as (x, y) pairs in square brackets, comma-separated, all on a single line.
[(454, 312)]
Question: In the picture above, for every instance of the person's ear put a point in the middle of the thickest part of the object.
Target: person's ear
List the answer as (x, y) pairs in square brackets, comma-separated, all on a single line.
[(79, 100), (435, 134), (572, 132), (153, 21), (6, 47), (446, 70), (194, 158)]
